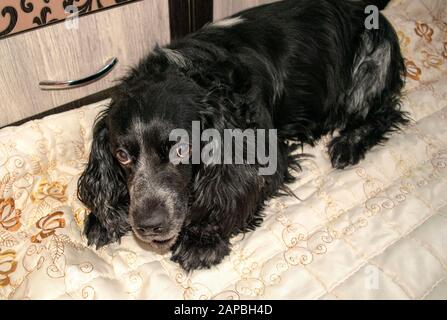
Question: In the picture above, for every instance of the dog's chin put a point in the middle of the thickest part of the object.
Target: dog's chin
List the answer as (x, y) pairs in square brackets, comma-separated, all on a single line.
[(160, 244)]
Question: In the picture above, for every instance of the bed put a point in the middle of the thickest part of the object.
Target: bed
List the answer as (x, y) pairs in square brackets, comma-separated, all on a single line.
[(377, 230)]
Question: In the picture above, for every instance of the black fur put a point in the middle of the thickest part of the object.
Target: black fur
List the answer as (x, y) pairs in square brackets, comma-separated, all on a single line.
[(304, 67)]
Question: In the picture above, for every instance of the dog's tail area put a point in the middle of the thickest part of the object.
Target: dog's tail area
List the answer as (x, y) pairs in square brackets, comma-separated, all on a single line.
[(381, 4)]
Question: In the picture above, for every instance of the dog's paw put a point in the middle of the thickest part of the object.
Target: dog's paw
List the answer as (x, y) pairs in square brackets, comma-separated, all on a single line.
[(96, 234), (345, 151), (196, 253)]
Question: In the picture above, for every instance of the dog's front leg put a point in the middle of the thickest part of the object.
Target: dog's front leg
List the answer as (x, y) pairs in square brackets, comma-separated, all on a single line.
[(200, 247)]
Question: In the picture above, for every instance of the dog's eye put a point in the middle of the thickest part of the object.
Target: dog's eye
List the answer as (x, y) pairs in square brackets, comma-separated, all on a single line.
[(182, 150), (123, 157)]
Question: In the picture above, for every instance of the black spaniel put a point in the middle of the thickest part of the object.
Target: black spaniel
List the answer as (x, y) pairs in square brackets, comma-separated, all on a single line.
[(304, 68)]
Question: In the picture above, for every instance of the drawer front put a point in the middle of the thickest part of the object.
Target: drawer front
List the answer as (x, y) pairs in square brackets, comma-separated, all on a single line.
[(30, 14), (224, 8), (65, 51)]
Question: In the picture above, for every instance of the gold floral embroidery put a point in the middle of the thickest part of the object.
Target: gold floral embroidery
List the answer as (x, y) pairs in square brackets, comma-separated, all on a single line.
[(432, 60), (55, 190), (79, 216), (9, 215), (404, 40), (88, 293), (48, 226), (7, 266), (424, 31), (413, 71)]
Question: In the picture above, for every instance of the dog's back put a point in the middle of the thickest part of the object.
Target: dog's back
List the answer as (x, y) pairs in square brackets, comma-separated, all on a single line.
[(312, 64)]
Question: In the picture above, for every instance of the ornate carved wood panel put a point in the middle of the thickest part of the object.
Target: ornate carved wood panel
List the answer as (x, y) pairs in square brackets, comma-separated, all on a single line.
[(21, 15)]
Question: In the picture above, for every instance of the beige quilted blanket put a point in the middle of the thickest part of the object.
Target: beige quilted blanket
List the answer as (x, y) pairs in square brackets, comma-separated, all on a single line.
[(376, 230)]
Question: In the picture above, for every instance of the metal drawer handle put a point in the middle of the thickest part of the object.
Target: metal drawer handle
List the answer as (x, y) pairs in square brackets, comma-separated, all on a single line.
[(68, 84)]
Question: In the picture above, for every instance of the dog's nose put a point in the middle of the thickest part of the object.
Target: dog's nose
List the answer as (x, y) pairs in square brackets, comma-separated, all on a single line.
[(156, 224)]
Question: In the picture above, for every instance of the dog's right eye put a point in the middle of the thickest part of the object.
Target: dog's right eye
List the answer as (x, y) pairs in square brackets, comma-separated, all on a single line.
[(123, 157)]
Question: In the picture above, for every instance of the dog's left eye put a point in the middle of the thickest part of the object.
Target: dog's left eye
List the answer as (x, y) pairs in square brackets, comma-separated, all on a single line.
[(182, 150), (123, 157)]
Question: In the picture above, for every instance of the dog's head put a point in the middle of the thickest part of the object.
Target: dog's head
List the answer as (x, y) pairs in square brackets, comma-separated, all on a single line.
[(131, 180), (130, 172), (139, 140)]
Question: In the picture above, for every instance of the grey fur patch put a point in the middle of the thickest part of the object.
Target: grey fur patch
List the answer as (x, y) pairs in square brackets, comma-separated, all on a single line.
[(277, 77), (175, 57), (145, 186), (138, 126), (369, 74)]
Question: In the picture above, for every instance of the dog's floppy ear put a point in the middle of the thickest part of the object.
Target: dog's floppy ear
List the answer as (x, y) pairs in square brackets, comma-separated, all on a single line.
[(228, 73), (236, 76), (102, 189), (229, 193), (226, 193)]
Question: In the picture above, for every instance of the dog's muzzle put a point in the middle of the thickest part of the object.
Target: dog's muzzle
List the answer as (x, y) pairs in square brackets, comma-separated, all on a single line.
[(155, 229)]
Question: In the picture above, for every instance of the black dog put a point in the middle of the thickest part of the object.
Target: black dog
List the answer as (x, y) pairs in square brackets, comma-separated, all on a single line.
[(304, 67)]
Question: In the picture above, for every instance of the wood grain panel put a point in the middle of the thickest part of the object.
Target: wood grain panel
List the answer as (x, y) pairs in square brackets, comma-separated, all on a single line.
[(57, 53), (224, 8)]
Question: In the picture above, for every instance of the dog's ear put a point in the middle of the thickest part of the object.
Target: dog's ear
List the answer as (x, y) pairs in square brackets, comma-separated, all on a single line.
[(226, 194), (102, 189), (226, 190), (227, 73), (237, 76)]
